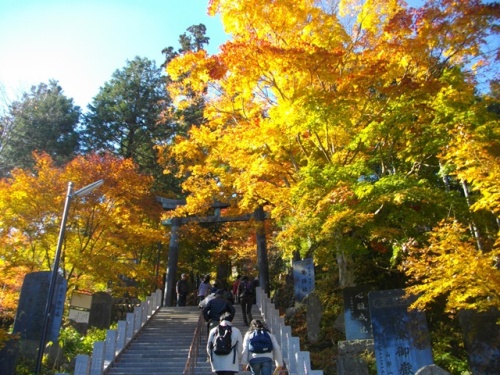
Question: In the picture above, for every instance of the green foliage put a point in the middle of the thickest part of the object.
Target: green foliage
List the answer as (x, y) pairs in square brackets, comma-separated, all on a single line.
[(127, 116), (43, 120), (369, 358), (25, 367), (74, 343), (194, 40), (71, 343), (448, 348)]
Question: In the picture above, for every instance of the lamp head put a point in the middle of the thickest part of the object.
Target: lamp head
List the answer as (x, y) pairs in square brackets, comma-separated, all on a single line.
[(88, 189)]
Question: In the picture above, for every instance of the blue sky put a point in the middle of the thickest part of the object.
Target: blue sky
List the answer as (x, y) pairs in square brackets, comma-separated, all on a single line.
[(81, 43)]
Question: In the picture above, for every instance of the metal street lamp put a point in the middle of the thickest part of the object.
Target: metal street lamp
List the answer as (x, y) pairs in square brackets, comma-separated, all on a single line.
[(55, 267)]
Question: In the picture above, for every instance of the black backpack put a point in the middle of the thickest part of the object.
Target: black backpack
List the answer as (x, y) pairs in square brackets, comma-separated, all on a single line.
[(246, 288), (222, 340), (260, 342)]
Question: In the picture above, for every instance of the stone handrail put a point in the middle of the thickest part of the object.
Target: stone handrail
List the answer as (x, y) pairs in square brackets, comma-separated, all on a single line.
[(298, 362), (189, 369), (105, 352)]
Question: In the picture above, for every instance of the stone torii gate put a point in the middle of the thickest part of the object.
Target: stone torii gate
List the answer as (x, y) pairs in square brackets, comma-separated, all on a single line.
[(173, 253)]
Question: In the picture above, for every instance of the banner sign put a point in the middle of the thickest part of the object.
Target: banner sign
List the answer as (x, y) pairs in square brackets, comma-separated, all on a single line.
[(357, 319), (30, 314), (303, 278), (82, 300), (80, 305), (79, 316)]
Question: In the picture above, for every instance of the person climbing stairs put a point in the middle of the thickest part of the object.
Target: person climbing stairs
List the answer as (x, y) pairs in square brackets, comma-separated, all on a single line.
[(162, 345)]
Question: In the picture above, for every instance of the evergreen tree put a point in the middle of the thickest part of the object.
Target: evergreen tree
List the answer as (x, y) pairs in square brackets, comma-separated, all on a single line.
[(43, 120), (126, 119), (194, 40)]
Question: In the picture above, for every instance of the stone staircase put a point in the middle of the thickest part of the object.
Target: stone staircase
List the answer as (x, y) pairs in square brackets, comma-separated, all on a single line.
[(162, 345)]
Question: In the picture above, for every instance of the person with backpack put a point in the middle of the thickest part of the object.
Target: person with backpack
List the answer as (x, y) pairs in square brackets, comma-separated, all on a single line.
[(225, 347), (228, 295), (260, 350), (216, 307), (246, 293)]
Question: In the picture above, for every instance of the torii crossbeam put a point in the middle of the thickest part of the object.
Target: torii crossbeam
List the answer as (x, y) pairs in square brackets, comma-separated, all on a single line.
[(173, 253)]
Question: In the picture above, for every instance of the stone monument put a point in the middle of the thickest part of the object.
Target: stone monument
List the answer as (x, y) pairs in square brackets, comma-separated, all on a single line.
[(401, 338)]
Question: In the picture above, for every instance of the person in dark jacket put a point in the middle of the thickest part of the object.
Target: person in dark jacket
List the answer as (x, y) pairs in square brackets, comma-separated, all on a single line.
[(216, 307), (246, 293), (182, 290)]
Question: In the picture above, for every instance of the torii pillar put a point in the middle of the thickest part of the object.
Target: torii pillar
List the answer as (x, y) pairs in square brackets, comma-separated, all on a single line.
[(173, 252)]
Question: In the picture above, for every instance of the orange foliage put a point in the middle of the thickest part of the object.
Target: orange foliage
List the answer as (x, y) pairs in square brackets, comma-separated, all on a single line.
[(107, 232), (336, 118)]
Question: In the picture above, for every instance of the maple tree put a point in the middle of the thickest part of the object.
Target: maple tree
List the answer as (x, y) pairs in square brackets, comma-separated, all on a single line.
[(111, 234), (469, 278), (464, 253), (341, 120), (216, 248)]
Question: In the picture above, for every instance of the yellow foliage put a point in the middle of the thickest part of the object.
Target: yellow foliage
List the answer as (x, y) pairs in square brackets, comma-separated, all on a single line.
[(106, 233), (310, 98), (451, 266)]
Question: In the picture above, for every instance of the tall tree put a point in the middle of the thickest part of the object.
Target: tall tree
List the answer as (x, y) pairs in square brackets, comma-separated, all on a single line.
[(185, 116), (111, 235), (194, 40), (335, 118), (43, 120), (125, 117)]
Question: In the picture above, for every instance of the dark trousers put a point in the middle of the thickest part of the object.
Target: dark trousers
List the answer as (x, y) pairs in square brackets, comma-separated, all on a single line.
[(246, 303), (181, 299)]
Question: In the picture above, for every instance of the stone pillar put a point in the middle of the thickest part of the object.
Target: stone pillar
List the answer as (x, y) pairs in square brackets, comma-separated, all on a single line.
[(313, 317), (173, 257), (100, 310), (262, 260), (97, 360), (349, 361), (8, 357)]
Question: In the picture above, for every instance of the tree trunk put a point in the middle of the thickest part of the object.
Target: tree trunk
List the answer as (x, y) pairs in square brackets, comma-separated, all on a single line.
[(346, 273), (262, 260), (474, 229)]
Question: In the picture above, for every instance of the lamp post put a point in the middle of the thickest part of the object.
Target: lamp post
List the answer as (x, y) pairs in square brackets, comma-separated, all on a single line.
[(55, 267)]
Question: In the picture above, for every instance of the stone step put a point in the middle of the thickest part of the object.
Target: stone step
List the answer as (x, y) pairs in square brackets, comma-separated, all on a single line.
[(162, 345)]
